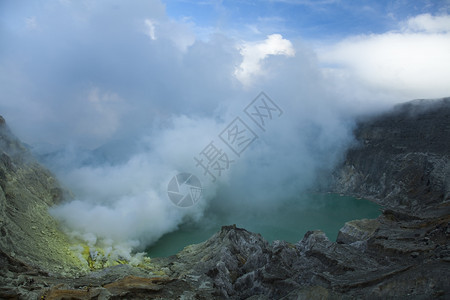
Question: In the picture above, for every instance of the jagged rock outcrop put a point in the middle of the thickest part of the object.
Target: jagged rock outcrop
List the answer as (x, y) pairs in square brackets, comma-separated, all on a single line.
[(401, 161), (405, 263)]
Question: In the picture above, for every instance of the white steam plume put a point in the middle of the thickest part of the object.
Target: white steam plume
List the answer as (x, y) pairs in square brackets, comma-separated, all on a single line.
[(119, 98)]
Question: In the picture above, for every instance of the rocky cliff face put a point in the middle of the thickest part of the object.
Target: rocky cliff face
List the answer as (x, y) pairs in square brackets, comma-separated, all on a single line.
[(401, 161), (28, 234)]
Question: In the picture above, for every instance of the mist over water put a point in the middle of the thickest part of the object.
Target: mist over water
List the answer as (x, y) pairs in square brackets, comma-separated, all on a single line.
[(117, 99), (289, 221)]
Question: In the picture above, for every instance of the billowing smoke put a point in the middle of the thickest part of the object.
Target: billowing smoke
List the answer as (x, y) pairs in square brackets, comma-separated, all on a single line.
[(117, 99)]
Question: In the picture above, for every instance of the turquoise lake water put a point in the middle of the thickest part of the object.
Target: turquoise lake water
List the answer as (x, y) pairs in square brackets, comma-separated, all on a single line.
[(289, 221)]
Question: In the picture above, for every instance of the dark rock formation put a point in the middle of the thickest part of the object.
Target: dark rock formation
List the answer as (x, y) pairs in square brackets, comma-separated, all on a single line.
[(401, 161)]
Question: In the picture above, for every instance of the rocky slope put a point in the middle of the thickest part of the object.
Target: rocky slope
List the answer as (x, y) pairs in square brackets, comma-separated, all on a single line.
[(28, 234), (401, 160)]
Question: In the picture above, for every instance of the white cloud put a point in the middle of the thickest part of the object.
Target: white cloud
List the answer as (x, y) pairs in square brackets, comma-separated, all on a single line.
[(102, 114), (179, 33), (254, 53), (412, 63), (150, 28), (428, 23)]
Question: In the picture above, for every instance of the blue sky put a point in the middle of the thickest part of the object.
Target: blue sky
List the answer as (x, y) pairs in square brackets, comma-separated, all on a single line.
[(303, 18)]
